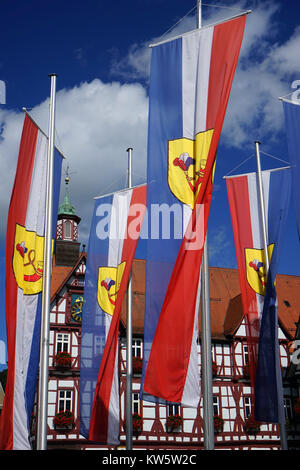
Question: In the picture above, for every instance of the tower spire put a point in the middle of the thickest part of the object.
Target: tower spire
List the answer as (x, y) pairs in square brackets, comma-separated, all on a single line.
[(67, 208), (67, 245)]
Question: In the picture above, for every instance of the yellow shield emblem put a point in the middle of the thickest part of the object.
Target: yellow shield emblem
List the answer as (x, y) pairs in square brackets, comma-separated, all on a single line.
[(109, 280), (28, 260), (186, 166), (255, 268)]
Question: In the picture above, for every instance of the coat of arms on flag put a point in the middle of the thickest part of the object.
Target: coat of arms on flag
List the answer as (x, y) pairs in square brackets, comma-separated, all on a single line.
[(256, 269), (28, 260), (109, 280), (187, 162)]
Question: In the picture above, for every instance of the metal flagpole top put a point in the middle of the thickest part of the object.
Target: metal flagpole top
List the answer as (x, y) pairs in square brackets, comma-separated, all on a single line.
[(129, 150), (247, 12), (199, 16)]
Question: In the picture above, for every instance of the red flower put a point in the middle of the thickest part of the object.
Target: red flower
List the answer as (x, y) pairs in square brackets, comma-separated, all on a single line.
[(137, 423), (137, 364), (218, 423), (63, 418), (62, 359), (173, 422), (297, 406), (251, 426), (214, 368)]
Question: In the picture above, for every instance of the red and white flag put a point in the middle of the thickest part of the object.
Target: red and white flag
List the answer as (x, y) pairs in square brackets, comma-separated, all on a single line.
[(257, 279), (24, 282), (190, 83), (113, 239)]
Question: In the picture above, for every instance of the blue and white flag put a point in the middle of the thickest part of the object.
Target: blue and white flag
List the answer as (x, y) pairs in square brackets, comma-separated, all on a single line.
[(113, 238), (258, 290), (268, 383), (292, 125), (190, 83)]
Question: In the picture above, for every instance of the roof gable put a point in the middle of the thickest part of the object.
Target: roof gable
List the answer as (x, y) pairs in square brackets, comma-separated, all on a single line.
[(61, 274)]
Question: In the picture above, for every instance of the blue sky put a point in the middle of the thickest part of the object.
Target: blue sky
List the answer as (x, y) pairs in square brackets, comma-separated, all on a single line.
[(100, 52)]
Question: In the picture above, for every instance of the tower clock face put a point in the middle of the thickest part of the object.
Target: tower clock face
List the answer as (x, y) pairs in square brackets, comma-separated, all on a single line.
[(76, 307)]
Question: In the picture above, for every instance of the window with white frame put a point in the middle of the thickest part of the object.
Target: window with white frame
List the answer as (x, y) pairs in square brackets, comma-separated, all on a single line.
[(173, 410), (62, 342), (216, 406), (135, 403), (67, 229), (65, 400), (245, 354), (247, 403), (137, 347), (213, 353)]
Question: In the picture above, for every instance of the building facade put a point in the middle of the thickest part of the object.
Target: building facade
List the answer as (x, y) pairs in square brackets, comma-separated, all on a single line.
[(232, 394)]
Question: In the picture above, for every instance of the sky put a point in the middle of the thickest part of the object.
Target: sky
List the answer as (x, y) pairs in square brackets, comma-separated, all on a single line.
[(99, 51)]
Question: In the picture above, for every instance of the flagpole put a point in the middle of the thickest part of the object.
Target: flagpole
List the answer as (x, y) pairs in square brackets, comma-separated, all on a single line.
[(129, 340), (208, 415), (199, 14), (283, 437), (45, 315)]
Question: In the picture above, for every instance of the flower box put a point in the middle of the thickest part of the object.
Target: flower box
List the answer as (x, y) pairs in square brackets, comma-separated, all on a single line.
[(251, 426), (218, 423), (137, 424), (137, 365), (296, 406), (246, 371), (63, 360), (174, 423), (214, 368), (64, 419)]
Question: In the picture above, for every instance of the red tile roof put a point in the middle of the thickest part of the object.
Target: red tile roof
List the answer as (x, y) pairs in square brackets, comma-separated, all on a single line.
[(61, 274), (225, 299)]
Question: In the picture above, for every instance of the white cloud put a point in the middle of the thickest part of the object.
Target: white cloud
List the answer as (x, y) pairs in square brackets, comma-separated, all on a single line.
[(263, 74), (95, 124), (264, 70)]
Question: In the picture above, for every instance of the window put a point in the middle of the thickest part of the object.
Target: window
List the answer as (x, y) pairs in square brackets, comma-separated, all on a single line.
[(67, 229), (216, 406), (245, 354), (137, 347), (135, 403), (62, 342), (65, 400), (247, 403), (173, 410)]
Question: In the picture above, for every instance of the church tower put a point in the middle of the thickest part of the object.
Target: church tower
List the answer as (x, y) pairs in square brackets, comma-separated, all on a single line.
[(67, 245)]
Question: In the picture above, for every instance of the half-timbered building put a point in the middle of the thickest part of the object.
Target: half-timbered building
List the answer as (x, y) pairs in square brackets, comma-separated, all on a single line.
[(232, 394)]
